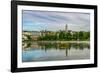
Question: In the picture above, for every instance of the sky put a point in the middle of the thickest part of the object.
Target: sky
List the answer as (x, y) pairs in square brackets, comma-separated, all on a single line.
[(54, 21)]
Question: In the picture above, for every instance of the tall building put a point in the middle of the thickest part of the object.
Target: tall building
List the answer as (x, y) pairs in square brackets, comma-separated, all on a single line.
[(66, 28)]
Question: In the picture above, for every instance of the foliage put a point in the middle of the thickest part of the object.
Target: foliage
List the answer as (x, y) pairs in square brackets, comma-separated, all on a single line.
[(65, 36), (27, 39)]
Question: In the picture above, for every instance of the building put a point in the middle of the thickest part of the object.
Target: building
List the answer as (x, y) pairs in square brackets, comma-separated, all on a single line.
[(66, 28), (35, 34)]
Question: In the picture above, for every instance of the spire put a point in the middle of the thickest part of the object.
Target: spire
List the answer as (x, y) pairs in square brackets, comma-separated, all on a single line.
[(66, 28)]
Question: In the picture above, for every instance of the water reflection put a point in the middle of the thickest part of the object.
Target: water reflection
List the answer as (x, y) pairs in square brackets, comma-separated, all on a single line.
[(41, 51)]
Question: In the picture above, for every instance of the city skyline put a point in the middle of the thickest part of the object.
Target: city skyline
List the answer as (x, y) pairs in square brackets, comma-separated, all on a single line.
[(54, 21)]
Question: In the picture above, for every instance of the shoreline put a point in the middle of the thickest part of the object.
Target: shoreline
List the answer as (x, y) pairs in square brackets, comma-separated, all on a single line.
[(63, 41)]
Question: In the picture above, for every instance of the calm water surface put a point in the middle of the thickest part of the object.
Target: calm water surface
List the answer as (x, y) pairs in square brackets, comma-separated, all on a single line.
[(55, 51)]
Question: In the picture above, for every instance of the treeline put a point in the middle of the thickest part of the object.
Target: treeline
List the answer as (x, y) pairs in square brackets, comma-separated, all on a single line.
[(64, 45), (65, 36)]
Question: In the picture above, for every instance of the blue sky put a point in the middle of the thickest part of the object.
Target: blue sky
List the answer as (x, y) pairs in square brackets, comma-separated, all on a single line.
[(54, 21)]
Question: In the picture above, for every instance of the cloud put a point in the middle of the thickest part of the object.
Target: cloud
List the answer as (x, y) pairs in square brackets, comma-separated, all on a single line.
[(56, 20)]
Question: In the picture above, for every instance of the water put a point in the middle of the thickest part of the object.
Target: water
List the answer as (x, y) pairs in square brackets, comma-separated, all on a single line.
[(41, 51)]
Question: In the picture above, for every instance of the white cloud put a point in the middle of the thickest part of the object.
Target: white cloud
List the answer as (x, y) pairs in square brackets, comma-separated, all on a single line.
[(58, 20)]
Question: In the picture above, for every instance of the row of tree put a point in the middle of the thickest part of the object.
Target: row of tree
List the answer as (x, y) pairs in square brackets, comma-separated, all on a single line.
[(66, 36)]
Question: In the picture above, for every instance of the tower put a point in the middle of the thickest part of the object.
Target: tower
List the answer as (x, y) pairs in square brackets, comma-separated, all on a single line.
[(66, 28)]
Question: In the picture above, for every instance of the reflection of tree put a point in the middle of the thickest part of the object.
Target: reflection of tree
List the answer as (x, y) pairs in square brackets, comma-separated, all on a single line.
[(54, 45), (26, 45), (26, 41), (80, 46), (58, 46)]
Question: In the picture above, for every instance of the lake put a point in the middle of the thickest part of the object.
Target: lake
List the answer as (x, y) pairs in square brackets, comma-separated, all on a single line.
[(43, 51)]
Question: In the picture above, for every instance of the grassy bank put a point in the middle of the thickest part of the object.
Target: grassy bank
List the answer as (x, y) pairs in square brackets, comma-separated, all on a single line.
[(64, 41)]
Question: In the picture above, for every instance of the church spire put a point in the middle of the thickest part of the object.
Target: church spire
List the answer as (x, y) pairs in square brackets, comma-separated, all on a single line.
[(66, 28)]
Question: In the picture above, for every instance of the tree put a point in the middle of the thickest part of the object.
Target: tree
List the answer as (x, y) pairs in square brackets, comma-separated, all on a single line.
[(80, 35)]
